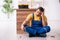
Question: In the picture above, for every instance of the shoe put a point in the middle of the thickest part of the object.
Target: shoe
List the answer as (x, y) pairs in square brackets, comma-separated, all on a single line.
[(42, 35), (37, 35), (31, 35)]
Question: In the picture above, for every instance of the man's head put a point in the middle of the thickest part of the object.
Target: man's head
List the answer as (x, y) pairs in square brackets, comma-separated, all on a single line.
[(39, 11)]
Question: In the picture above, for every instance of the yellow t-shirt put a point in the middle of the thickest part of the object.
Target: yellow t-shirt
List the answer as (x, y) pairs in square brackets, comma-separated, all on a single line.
[(35, 18)]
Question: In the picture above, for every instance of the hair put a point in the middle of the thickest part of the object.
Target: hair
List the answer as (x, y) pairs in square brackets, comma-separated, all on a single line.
[(41, 9)]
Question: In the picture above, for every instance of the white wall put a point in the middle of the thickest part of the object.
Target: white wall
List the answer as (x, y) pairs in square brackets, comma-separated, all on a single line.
[(52, 9), (53, 13), (7, 26)]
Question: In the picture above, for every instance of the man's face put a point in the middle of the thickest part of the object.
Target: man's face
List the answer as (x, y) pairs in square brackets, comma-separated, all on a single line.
[(38, 12)]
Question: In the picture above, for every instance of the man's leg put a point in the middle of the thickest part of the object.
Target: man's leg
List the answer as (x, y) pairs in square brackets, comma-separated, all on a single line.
[(30, 30), (42, 31), (47, 28)]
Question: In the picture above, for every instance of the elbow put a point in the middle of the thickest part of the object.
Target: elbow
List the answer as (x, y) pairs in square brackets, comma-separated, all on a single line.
[(45, 24)]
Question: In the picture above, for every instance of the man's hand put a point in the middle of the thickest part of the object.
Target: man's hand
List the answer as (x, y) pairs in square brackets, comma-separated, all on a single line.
[(43, 19), (22, 27), (42, 14)]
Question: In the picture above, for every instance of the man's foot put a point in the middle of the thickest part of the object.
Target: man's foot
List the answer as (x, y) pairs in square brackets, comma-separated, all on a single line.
[(31, 35), (42, 35), (38, 35)]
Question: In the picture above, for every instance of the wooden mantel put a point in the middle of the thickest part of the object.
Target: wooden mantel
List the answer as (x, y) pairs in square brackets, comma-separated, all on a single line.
[(26, 9), (21, 16)]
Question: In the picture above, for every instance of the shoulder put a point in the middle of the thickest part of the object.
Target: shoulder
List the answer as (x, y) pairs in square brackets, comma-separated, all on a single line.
[(45, 17), (29, 16)]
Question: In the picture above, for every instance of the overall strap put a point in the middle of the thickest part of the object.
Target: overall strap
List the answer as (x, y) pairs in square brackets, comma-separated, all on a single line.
[(41, 18), (33, 16)]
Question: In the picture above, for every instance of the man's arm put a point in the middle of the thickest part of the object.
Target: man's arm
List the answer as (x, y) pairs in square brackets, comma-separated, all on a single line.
[(26, 21), (44, 22)]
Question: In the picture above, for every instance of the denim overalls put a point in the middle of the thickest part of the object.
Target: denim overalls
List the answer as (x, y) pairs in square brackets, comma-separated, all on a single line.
[(37, 27)]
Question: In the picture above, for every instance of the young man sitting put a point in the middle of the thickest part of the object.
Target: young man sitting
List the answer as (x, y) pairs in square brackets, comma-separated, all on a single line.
[(38, 24)]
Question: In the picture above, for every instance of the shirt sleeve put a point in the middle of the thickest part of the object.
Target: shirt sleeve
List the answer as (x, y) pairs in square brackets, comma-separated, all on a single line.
[(45, 18), (29, 17)]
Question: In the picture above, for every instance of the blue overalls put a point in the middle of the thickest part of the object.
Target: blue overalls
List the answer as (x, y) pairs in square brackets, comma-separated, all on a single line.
[(37, 27)]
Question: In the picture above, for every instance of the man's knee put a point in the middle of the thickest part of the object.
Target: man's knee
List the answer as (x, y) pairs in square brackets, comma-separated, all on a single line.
[(47, 28), (30, 30), (27, 28)]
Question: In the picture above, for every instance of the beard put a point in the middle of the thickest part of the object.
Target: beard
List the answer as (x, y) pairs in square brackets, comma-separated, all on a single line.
[(38, 14)]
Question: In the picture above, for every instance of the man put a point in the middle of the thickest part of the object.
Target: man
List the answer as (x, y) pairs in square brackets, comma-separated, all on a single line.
[(38, 24)]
